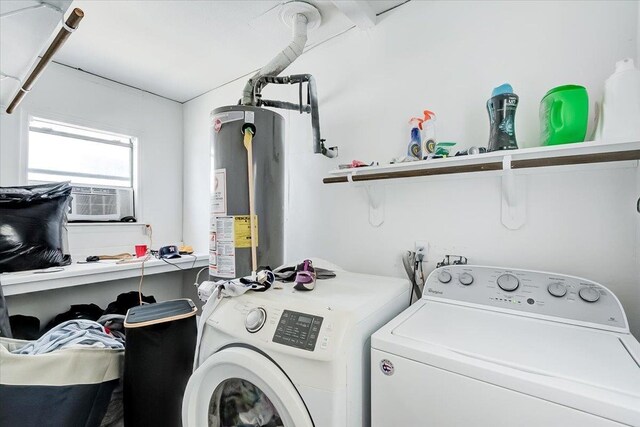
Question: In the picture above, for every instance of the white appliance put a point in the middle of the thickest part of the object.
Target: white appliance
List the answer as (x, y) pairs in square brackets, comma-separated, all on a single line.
[(306, 352), (91, 203), (491, 346)]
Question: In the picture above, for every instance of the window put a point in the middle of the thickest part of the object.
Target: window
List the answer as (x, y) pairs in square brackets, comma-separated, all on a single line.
[(60, 152)]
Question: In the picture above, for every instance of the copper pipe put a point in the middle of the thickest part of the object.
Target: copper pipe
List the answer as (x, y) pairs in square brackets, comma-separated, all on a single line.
[(72, 22)]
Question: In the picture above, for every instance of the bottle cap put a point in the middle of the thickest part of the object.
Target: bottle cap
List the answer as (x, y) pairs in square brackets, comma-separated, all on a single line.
[(502, 89), (625, 64)]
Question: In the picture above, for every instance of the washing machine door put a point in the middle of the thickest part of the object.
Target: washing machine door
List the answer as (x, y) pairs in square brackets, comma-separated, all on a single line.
[(238, 386)]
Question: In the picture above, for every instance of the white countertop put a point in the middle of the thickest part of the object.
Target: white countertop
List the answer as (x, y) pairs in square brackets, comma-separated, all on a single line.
[(83, 274)]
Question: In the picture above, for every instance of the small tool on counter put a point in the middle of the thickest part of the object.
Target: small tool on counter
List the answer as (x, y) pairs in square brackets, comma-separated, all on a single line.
[(96, 258)]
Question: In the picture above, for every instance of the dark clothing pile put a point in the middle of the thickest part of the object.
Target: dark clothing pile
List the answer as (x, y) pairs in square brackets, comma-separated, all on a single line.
[(112, 318), (76, 312)]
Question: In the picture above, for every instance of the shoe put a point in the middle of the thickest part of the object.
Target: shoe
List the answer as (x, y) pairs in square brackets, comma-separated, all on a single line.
[(305, 276)]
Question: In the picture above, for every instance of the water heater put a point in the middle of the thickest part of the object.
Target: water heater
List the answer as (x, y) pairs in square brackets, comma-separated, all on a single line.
[(230, 224)]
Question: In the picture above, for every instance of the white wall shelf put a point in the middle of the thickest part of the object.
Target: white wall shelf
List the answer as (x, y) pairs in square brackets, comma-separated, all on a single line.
[(559, 155), (84, 274), (506, 162)]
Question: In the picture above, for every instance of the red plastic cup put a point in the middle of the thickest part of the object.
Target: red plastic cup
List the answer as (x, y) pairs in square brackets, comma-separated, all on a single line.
[(141, 250)]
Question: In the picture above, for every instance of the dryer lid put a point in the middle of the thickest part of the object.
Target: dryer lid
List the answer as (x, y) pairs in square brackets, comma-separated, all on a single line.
[(556, 351)]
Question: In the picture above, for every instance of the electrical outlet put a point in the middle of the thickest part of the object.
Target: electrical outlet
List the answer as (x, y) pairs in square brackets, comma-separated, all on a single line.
[(421, 249)]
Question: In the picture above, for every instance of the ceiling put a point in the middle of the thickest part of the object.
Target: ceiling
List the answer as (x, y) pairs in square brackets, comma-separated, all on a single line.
[(23, 36), (180, 49)]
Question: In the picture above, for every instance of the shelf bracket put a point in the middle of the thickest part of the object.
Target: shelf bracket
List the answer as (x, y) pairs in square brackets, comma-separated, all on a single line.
[(513, 197), (375, 194), (375, 197)]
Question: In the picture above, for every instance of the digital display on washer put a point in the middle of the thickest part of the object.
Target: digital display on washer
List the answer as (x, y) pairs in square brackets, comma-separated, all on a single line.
[(299, 330)]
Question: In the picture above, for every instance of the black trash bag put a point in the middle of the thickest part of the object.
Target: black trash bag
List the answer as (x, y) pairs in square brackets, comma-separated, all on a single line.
[(33, 226)]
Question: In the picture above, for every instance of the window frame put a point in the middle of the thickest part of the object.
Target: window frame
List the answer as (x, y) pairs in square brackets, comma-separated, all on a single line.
[(63, 134), (133, 134)]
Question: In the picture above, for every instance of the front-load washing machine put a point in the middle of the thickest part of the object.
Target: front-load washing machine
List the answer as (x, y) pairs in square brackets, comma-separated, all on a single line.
[(491, 346), (292, 358)]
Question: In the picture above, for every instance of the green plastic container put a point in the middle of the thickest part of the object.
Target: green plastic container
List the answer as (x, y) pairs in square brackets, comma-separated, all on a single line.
[(564, 115)]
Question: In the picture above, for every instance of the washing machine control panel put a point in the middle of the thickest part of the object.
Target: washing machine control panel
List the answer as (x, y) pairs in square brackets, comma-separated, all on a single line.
[(299, 330), (535, 293)]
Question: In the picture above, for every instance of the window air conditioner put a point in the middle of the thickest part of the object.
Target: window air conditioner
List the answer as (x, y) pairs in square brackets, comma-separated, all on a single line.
[(100, 203)]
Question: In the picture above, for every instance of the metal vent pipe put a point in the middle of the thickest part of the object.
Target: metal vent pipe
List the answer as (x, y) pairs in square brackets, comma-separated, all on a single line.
[(283, 59)]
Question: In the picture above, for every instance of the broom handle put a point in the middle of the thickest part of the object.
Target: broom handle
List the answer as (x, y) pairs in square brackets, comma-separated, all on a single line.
[(248, 144)]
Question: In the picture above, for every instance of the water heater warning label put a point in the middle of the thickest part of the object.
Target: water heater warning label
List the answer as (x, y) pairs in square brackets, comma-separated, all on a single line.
[(242, 230), (222, 252), (219, 192)]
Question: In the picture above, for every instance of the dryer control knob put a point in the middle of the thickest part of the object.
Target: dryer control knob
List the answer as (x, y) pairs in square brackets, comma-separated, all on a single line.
[(465, 278), (508, 282), (255, 320), (589, 294), (557, 289), (444, 276)]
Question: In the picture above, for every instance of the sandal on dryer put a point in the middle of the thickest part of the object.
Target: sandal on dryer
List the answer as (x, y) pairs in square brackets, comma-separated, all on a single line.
[(305, 276)]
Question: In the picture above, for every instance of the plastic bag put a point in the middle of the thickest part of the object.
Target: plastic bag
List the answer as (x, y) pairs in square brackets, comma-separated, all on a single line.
[(33, 226)]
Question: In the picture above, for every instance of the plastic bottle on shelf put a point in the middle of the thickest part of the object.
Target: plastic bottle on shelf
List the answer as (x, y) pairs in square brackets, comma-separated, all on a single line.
[(502, 115), (414, 150), (428, 133), (619, 118)]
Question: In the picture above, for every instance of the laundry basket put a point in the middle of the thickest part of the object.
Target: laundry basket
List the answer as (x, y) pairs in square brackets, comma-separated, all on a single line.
[(68, 387), (161, 341)]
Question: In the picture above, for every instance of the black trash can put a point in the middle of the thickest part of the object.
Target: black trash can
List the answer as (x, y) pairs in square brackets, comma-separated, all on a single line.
[(161, 341)]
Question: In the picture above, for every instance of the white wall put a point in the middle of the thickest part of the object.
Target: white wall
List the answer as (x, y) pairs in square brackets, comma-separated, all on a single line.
[(76, 97), (447, 56), (73, 96)]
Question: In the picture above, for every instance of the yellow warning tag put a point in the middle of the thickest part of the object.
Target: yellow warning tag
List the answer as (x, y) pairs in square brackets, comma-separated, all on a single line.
[(242, 230)]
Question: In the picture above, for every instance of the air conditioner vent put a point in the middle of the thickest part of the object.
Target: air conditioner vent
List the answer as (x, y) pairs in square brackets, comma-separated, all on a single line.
[(100, 203)]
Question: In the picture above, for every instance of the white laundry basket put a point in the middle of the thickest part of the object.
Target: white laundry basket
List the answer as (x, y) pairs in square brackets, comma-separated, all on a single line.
[(69, 387)]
